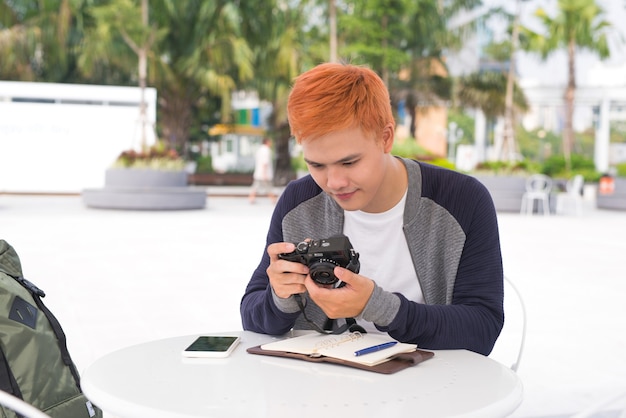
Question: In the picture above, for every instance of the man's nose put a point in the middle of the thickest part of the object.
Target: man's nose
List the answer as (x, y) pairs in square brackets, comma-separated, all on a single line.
[(337, 178)]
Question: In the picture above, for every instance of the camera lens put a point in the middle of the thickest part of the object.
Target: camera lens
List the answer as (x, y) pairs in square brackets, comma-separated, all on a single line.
[(322, 272)]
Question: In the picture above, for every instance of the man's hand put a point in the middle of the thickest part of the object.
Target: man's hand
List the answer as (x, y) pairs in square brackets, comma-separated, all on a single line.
[(286, 277), (343, 302)]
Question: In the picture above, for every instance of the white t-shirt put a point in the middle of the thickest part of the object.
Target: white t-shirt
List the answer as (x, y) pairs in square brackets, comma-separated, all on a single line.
[(383, 251)]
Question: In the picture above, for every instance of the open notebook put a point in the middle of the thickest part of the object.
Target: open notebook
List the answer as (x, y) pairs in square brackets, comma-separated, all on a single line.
[(342, 347)]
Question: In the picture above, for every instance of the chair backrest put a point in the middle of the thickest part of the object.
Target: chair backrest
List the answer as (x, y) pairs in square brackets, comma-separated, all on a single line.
[(513, 336), (17, 405), (539, 183), (575, 185)]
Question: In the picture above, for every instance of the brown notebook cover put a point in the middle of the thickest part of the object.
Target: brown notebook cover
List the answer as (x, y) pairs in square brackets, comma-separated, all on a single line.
[(394, 364)]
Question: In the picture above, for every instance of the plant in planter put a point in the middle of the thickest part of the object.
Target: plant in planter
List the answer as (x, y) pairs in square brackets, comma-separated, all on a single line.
[(157, 157), (505, 168), (156, 166)]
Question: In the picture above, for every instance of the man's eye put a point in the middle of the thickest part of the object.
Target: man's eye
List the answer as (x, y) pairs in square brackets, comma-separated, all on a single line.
[(348, 163)]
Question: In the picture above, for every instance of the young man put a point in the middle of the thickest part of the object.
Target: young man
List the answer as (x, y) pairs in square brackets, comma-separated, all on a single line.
[(431, 267)]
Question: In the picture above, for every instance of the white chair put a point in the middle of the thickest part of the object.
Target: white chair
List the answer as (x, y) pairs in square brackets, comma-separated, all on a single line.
[(514, 327), (17, 405), (572, 197), (522, 342), (538, 188)]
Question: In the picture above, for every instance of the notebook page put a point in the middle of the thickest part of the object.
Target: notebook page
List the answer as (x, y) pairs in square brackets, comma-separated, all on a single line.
[(341, 346)]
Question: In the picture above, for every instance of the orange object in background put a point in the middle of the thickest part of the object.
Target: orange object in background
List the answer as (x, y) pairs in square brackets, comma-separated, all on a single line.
[(607, 185)]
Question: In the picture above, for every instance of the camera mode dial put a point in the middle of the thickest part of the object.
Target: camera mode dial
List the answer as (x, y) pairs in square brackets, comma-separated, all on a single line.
[(302, 247)]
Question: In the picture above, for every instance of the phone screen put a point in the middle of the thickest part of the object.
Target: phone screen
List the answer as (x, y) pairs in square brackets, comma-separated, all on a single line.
[(211, 346)]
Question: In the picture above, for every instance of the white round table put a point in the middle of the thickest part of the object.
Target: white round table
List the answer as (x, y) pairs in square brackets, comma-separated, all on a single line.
[(153, 380)]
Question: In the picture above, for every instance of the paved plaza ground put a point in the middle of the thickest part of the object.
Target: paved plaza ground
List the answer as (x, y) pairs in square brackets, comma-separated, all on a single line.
[(117, 278)]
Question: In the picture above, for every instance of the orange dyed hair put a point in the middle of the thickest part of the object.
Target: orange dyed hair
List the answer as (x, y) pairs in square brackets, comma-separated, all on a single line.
[(331, 97)]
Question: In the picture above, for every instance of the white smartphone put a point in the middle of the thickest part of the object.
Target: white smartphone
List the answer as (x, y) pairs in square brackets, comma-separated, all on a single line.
[(212, 346)]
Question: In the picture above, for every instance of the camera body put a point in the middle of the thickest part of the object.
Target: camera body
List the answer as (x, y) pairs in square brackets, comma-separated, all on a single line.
[(323, 255)]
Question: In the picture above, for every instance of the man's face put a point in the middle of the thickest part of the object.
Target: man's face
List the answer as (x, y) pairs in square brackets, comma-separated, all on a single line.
[(351, 167)]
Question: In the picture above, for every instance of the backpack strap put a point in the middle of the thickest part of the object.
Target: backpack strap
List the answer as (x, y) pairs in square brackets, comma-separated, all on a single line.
[(7, 380), (37, 294)]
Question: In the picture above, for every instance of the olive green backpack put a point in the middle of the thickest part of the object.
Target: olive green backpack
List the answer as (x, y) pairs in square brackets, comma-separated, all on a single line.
[(35, 364)]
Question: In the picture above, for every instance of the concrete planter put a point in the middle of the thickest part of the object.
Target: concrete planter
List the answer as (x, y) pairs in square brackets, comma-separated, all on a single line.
[(615, 199), (135, 177), (506, 191), (145, 189), (221, 179)]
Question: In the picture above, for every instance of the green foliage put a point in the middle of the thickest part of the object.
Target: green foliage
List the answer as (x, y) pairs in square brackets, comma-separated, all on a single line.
[(442, 162), (507, 168), (621, 170), (204, 164), (556, 167), (578, 22), (464, 122), (618, 132), (499, 51), (298, 163), (157, 157), (538, 144), (409, 148), (486, 91)]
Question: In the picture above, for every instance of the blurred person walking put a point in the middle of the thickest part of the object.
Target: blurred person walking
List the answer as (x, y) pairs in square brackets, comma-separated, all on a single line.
[(263, 176)]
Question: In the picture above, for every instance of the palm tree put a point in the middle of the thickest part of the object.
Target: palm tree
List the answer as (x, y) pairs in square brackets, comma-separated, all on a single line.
[(121, 21), (405, 41), (277, 40), (578, 25), (35, 38), (487, 91), (508, 139), (203, 58), (193, 50)]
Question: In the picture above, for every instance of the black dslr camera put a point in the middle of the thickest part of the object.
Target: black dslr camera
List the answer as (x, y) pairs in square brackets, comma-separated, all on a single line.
[(323, 255)]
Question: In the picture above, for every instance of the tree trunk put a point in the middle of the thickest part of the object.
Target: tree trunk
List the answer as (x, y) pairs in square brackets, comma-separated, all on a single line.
[(142, 55), (508, 140), (332, 12), (284, 172), (570, 91), (176, 117)]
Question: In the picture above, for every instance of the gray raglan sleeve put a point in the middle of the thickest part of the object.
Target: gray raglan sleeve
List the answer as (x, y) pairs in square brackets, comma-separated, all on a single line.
[(382, 307)]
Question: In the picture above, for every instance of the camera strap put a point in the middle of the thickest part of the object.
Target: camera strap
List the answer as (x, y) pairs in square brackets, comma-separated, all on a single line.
[(331, 326), (349, 324)]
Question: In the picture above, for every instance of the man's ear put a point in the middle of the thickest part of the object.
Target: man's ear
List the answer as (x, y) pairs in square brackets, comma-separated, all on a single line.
[(388, 137)]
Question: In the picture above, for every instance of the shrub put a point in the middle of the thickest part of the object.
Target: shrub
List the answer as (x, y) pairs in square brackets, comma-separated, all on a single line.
[(298, 163), (205, 164), (157, 157), (409, 148), (555, 167), (506, 168)]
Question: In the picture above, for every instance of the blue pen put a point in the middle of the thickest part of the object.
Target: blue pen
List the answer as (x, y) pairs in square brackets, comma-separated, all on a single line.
[(375, 348)]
